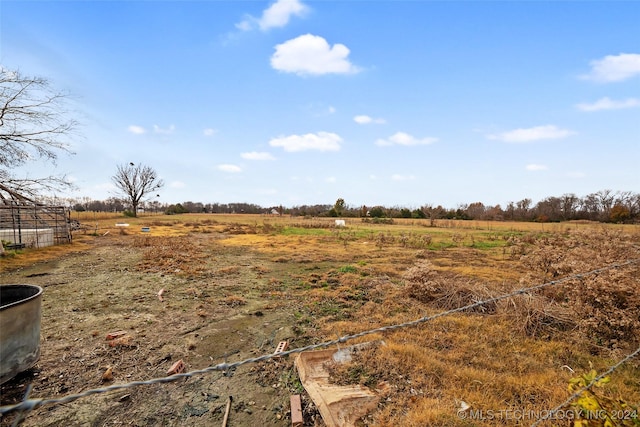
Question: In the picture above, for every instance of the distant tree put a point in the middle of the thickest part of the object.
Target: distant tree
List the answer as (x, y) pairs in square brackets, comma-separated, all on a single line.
[(590, 207), (418, 213), (137, 183), (550, 209), (494, 213), (377, 212), (619, 213), (629, 200), (522, 212), (405, 213), (476, 210), (33, 125), (339, 206), (509, 213), (175, 209), (569, 206), (605, 199), (194, 207)]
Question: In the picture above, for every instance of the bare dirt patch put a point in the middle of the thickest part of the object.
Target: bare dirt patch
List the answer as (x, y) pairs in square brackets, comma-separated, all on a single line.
[(214, 308)]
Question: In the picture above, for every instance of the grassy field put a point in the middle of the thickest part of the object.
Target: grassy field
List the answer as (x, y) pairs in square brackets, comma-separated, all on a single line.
[(511, 358)]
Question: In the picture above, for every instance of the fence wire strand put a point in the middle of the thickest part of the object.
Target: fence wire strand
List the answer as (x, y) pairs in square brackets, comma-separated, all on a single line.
[(29, 404)]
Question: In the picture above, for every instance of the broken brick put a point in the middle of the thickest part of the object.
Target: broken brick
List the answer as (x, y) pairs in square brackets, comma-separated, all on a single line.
[(122, 341), (114, 335), (282, 346), (176, 368), (296, 411)]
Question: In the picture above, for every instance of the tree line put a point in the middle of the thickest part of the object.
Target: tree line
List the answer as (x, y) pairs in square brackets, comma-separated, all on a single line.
[(603, 206)]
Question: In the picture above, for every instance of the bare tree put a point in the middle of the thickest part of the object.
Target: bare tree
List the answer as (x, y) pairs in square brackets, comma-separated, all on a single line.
[(33, 125), (136, 183)]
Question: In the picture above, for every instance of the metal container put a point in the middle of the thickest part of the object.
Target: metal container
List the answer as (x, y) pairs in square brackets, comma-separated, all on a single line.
[(20, 313)]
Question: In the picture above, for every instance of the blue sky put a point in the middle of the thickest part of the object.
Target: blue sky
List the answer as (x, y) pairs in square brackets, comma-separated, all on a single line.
[(377, 102)]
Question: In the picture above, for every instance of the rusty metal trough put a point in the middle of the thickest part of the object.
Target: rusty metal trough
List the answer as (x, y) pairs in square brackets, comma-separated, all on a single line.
[(20, 314)]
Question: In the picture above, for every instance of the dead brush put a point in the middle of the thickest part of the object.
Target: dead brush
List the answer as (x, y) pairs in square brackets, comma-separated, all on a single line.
[(142, 241), (172, 255), (606, 306), (535, 315), (445, 290), (233, 301)]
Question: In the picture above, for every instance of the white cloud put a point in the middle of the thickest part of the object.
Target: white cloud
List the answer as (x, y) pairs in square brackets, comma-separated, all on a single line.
[(321, 141), (246, 24), (331, 179), (229, 168), (275, 16), (535, 167), (177, 184), (402, 138), (331, 109), (168, 131), (608, 104), (364, 119), (209, 132), (532, 134), (398, 177), (137, 130), (278, 14), (312, 55), (254, 155), (614, 68)]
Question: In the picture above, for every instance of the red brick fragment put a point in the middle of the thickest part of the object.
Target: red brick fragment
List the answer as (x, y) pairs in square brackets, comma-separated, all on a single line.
[(296, 411), (123, 341), (176, 368), (116, 334), (282, 346)]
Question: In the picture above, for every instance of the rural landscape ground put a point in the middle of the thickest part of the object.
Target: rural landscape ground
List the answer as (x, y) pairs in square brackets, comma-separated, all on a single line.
[(208, 288)]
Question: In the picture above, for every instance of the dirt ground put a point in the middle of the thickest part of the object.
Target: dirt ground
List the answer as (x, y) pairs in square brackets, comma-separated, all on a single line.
[(215, 307)]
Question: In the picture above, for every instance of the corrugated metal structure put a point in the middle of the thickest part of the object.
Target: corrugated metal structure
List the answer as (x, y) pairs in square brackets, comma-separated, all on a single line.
[(34, 226)]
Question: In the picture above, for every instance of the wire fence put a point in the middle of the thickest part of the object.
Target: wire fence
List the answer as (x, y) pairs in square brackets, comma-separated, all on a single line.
[(551, 413), (27, 404)]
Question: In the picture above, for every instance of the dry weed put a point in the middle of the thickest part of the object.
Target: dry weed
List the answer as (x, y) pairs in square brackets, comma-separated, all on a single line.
[(445, 290), (233, 300), (535, 315), (604, 306)]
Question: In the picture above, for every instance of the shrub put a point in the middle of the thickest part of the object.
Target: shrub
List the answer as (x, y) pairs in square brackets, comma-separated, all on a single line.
[(604, 306)]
